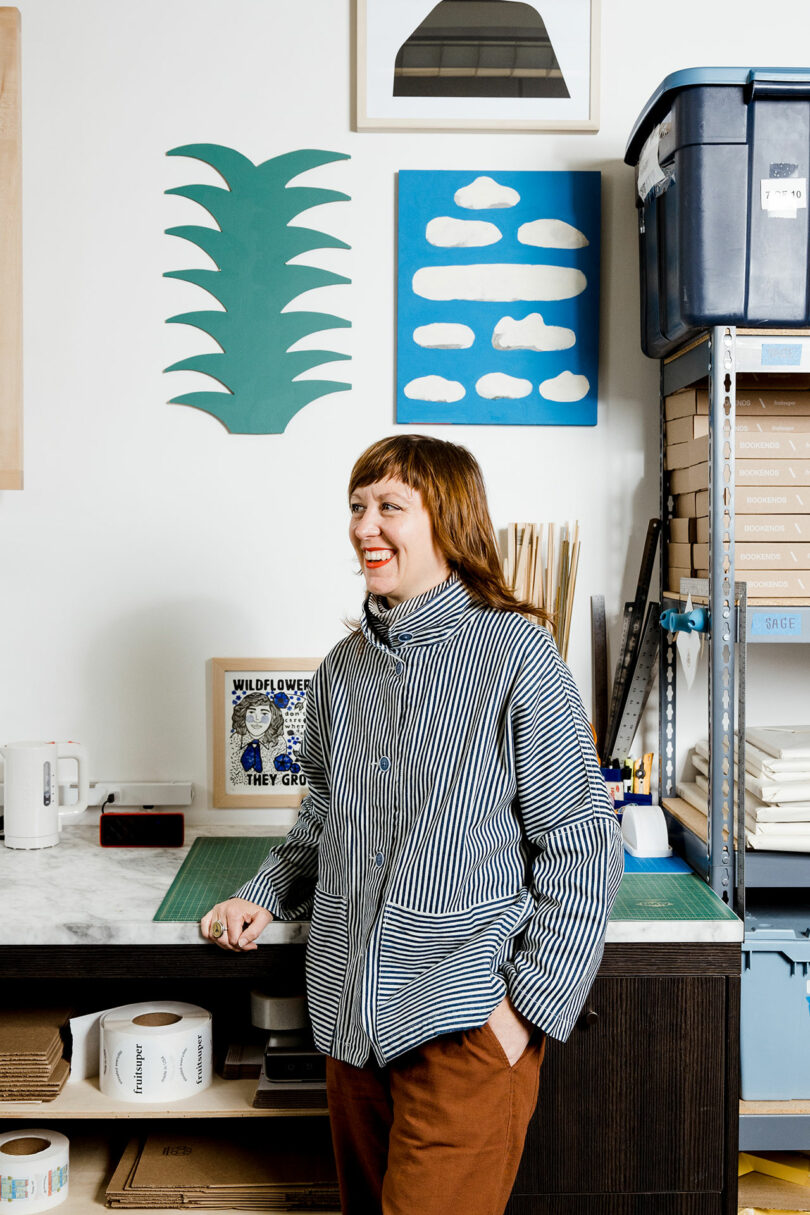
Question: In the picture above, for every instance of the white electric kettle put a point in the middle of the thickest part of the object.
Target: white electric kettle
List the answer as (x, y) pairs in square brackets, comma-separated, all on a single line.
[(32, 811)]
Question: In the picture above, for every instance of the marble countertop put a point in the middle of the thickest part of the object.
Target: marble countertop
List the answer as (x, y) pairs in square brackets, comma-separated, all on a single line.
[(78, 893)]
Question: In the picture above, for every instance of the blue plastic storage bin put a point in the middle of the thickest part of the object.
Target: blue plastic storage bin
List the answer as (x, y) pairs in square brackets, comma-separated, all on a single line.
[(721, 158), (775, 1006)]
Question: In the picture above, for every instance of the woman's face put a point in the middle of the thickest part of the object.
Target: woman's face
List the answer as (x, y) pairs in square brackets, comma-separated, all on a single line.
[(257, 720), (392, 534)]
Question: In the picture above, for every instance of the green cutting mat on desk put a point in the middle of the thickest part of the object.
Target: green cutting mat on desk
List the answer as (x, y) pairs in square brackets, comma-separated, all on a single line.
[(668, 896), (215, 866)]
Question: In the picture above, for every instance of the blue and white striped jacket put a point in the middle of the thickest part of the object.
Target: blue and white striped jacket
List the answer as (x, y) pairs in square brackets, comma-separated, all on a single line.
[(457, 842)]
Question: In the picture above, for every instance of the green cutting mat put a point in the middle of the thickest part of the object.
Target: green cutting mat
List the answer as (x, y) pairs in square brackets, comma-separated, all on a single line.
[(661, 896), (215, 866)]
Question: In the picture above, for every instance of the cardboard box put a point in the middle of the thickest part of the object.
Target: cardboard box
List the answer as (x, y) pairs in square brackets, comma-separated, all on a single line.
[(760, 500), (748, 445), (681, 430), (769, 424), (771, 472), (686, 506), (763, 556), (687, 401), (778, 528), (674, 575), (759, 1193), (679, 555), (792, 401), (683, 531), (789, 1166), (752, 396), (760, 473), (776, 585), (689, 480)]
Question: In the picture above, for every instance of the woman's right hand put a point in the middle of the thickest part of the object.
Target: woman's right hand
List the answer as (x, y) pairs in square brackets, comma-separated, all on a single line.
[(242, 922)]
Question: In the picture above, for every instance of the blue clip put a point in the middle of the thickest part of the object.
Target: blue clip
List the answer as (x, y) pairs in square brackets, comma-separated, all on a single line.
[(696, 621)]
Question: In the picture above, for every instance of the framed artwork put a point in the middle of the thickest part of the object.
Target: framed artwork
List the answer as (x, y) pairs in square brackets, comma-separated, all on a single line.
[(498, 297), (258, 726), (504, 65)]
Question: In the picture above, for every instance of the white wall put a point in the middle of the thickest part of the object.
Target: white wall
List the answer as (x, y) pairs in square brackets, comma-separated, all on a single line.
[(147, 539)]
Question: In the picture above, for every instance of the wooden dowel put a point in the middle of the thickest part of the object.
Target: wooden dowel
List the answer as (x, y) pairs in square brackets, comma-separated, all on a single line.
[(572, 587), (11, 400), (537, 580)]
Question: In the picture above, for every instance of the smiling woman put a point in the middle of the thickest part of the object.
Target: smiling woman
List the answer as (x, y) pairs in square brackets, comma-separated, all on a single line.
[(392, 535), (457, 851)]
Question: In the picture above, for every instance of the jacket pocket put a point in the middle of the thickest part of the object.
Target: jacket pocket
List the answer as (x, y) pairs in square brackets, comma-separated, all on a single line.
[(326, 959)]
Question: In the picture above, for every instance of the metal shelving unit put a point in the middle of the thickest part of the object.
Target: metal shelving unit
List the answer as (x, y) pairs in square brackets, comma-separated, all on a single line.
[(734, 625)]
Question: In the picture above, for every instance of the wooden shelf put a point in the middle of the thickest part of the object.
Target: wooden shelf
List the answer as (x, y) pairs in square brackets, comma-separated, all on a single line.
[(84, 1099), (91, 1167), (775, 1107)]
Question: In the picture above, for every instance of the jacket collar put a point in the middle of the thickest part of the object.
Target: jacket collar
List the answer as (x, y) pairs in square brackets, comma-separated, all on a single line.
[(429, 618)]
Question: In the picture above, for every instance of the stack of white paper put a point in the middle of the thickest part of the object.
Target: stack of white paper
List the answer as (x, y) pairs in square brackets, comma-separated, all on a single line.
[(777, 786)]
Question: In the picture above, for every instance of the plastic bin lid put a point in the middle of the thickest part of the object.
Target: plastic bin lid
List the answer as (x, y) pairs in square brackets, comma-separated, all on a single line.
[(661, 100), (775, 922)]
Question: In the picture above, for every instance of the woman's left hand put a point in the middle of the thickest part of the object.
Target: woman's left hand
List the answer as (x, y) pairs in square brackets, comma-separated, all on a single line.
[(511, 1029)]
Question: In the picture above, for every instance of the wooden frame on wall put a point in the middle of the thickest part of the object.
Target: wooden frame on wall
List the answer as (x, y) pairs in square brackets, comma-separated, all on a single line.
[(11, 442), (384, 28), (257, 767)]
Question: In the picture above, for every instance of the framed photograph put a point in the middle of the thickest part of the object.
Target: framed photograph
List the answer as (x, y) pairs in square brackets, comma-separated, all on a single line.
[(503, 65), (258, 726)]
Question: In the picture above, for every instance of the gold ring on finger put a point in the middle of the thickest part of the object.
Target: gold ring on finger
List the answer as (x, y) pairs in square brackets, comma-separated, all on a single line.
[(217, 929)]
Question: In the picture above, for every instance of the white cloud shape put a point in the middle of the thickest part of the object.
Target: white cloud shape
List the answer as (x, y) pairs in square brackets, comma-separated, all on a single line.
[(434, 388), (496, 386), (551, 234), (444, 335), (485, 194), (531, 333), (505, 282), (451, 233), (565, 387)]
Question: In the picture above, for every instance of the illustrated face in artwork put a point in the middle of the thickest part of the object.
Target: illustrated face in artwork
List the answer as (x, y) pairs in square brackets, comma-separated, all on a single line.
[(257, 720), (392, 535)]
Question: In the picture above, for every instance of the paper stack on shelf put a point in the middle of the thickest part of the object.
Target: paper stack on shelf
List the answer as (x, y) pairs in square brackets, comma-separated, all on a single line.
[(777, 787), (31, 1063), (772, 488), (288, 1166)]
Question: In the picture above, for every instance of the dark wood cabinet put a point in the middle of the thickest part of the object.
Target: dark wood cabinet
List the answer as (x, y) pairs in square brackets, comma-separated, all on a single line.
[(637, 1111), (640, 1105)]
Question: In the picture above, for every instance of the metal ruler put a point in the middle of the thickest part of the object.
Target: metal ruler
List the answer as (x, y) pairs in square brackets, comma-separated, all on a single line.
[(631, 635), (599, 662), (641, 680)]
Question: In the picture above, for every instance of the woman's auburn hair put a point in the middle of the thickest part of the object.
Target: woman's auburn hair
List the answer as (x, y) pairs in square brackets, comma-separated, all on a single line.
[(451, 484)]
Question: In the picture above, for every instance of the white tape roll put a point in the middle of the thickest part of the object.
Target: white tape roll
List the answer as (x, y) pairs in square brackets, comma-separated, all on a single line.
[(155, 1052), (33, 1170)]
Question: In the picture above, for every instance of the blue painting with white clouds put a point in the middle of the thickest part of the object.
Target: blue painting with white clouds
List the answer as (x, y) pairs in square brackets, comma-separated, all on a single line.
[(498, 297)]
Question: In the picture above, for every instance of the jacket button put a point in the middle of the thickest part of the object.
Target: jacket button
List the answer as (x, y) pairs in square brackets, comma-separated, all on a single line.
[(404, 637), (385, 763), (399, 668), (378, 860)]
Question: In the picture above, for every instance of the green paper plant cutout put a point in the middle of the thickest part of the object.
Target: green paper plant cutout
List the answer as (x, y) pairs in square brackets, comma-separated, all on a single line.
[(252, 248)]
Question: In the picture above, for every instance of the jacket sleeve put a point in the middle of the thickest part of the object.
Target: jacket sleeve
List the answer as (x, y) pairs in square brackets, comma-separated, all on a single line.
[(576, 856), (285, 884)]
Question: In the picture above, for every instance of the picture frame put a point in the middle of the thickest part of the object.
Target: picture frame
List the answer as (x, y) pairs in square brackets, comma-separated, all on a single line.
[(414, 66), (258, 720)]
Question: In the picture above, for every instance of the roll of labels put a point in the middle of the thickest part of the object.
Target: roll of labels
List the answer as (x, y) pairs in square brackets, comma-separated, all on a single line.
[(33, 1170), (155, 1052)]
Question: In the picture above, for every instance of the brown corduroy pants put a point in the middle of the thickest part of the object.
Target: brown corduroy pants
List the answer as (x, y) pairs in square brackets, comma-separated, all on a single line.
[(438, 1131)]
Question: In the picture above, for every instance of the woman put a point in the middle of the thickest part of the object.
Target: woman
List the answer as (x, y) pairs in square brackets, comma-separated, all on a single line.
[(257, 735), (457, 852)]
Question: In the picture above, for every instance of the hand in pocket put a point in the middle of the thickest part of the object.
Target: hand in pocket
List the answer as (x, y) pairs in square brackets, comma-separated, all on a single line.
[(511, 1029)]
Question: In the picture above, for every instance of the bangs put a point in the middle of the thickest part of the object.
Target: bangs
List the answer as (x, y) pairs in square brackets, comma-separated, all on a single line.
[(398, 458)]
